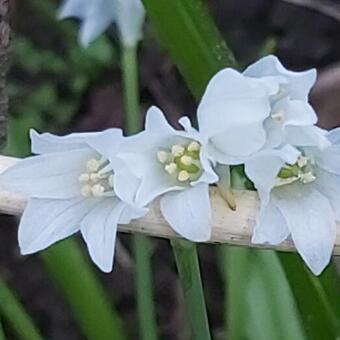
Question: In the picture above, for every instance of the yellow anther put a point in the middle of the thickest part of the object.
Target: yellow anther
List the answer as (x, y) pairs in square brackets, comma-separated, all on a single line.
[(279, 116), (177, 150), (97, 190), (171, 168), (183, 176), (92, 165), (83, 178), (162, 156), (194, 146), (94, 177), (86, 191), (186, 160)]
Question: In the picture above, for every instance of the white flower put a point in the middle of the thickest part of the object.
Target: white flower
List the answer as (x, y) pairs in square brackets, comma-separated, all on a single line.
[(231, 115), (70, 188), (265, 107), (98, 15), (291, 117), (299, 190), (170, 163)]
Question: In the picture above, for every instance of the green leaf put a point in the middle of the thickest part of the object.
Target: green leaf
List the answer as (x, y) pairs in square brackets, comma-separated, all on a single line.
[(318, 298), (193, 41), (15, 315), (89, 303)]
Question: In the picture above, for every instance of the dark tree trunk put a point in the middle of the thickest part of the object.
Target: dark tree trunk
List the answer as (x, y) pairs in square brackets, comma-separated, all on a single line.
[(4, 48)]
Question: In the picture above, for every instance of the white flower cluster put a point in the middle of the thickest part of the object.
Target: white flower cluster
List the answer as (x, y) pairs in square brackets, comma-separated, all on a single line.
[(260, 118)]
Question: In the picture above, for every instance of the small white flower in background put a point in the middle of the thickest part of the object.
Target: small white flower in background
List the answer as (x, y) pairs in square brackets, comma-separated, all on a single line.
[(299, 190), (291, 117), (98, 15), (70, 188), (170, 163)]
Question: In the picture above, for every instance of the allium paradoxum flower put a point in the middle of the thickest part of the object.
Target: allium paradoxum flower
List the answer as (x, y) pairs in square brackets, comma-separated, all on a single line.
[(264, 107), (69, 187), (97, 15), (171, 164), (299, 190)]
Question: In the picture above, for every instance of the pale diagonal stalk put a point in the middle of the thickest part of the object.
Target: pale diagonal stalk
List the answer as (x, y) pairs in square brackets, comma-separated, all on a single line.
[(190, 277), (141, 244), (15, 315)]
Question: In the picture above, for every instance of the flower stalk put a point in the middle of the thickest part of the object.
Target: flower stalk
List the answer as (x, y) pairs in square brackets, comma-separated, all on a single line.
[(141, 244), (190, 277)]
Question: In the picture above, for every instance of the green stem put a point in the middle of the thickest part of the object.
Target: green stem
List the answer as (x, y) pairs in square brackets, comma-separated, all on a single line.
[(141, 244), (90, 305), (132, 117), (14, 313), (2, 334), (189, 274)]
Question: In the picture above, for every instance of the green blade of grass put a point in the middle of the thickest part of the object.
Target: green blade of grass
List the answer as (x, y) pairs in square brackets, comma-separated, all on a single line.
[(89, 303), (190, 277), (15, 315), (318, 298), (191, 38)]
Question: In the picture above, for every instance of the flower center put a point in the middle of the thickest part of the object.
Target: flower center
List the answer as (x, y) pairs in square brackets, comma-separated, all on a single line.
[(181, 161), (301, 171), (97, 180)]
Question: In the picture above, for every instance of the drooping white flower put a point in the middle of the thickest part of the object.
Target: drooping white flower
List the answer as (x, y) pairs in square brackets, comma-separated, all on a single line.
[(265, 107), (291, 116), (231, 115), (299, 190), (171, 164), (69, 187), (98, 15)]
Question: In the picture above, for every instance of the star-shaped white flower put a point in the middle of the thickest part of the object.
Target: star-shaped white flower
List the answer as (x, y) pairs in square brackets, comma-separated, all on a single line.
[(171, 164), (98, 15), (69, 187), (299, 190)]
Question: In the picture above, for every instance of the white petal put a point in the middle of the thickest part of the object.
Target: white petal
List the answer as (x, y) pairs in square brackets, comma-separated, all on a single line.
[(296, 112), (328, 158), (45, 222), (311, 222), (72, 8), (126, 185), (53, 175), (334, 136), (130, 26), (299, 84), (155, 122), (306, 136), (188, 212), (100, 15), (263, 168), (271, 226), (232, 100), (329, 185), (99, 229)]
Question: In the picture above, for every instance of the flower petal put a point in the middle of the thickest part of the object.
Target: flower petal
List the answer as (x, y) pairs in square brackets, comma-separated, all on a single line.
[(311, 222), (231, 100), (72, 8), (271, 226), (99, 229), (329, 185), (155, 122), (45, 222), (53, 175), (188, 212), (299, 83)]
